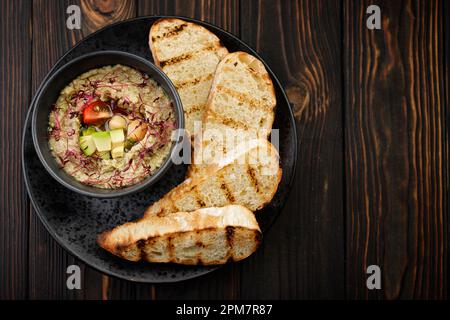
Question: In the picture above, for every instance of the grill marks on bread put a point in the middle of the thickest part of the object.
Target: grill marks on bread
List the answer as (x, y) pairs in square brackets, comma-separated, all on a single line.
[(242, 80), (206, 236), (249, 178), (226, 191), (199, 221), (171, 32), (184, 56), (253, 178), (240, 106), (188, 53), (192, 82), (247, 100), (227, 121)]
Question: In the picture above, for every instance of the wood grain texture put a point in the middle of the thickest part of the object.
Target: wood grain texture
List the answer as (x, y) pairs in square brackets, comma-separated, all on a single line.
[(446, 156), (224, 283), (223, 13), (99, 13), (15, 53), (395, 115), (303, 254), (47, 260), (373, 178)]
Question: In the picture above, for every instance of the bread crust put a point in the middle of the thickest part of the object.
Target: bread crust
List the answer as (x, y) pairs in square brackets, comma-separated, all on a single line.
[(167, 204), (207, 236), (193, 104), (229, 60), (193, 232)]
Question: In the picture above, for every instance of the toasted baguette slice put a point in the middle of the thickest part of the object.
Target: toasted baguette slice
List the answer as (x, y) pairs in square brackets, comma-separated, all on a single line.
[(240, 106), (206, 236), (188, 53), (249, 177)]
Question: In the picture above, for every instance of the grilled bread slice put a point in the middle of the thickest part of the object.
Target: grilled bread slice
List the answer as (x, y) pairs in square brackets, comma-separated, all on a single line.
[(240, 106), (249, 177), (206, 236), (188, 53)]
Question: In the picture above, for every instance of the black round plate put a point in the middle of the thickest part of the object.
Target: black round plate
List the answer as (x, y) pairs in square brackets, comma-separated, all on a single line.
[(75, 220)]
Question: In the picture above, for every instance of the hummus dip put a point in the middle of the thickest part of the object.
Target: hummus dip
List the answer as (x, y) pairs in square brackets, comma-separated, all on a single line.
[(111, 127)]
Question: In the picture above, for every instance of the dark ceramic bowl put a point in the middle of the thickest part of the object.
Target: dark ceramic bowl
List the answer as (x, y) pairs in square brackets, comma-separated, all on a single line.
[(61, 78)]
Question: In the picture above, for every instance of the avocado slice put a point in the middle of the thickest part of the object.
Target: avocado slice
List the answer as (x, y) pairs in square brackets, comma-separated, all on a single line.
[(117, 151), (88, 131), (102, 141), (129, 144), (105, 155), (117, 137), (87, 145)]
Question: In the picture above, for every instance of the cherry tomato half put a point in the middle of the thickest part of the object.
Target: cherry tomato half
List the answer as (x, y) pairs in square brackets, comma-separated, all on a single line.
[(96, 113)]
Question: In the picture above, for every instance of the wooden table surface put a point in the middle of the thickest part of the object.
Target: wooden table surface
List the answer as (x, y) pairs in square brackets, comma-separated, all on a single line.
[(372, 184)]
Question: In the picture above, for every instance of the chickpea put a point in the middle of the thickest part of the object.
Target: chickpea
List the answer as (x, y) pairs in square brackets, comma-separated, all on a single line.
[(117, 122), (136, 130)]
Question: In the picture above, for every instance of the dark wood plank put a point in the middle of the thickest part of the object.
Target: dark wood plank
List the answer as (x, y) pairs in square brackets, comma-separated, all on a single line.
[(303, 254), (224, 283), (396, 149), (99, 13), (15, 44), (446, 13), (51, 38), (48, 261), (223, 13), (395, 113)]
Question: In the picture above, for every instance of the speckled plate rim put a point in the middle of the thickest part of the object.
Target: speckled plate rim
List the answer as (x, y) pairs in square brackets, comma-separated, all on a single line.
[(52, 70)]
